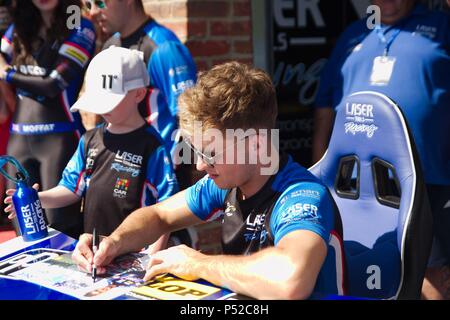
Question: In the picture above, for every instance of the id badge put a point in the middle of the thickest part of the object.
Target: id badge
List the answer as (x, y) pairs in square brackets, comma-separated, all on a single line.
[(382, 70)]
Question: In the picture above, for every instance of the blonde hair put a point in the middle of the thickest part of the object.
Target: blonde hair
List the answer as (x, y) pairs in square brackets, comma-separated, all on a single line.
[(229, 96)]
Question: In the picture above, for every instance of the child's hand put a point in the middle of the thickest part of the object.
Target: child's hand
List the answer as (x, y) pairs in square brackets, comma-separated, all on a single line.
[(8, 200)]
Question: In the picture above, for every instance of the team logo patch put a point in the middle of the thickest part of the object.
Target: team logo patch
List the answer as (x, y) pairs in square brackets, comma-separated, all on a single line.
[(91, 154), (426, 31), (300, 211), (230, 210), (121, 188), (255, 228), (360, 119), (127, 162), (75, 53)]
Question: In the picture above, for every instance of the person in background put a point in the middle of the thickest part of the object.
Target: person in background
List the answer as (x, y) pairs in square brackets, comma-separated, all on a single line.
[(407, 58), (45, 62)]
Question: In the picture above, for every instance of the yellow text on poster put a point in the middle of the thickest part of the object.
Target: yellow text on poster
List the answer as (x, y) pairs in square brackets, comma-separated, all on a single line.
[(166, 287)]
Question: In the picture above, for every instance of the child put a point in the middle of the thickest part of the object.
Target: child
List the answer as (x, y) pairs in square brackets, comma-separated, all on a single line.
[(120, 165)]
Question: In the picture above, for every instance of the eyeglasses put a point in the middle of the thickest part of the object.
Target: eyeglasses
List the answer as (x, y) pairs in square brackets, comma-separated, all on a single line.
[(101, 4), (208, 159)]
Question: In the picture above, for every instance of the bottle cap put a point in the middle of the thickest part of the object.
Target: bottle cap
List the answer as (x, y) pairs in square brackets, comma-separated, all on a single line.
[(20, 176)]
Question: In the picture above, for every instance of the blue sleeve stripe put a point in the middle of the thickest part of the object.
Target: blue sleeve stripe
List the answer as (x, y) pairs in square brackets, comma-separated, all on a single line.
[(337, 244), (81, 184), (161, 182), (153, 107), (213, 215), (145, 199), (152, 188), (79, 187)]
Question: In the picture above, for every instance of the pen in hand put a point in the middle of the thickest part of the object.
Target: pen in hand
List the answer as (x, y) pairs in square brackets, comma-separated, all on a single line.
[(94, 250)]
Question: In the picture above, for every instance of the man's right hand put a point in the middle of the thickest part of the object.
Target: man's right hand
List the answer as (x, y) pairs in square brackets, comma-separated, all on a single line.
[(85, 258)]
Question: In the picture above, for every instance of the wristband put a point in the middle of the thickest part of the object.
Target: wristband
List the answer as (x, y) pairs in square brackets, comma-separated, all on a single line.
[(9, 74)]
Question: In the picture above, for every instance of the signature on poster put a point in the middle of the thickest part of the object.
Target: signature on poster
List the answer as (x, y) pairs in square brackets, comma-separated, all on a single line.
[(55, 269)]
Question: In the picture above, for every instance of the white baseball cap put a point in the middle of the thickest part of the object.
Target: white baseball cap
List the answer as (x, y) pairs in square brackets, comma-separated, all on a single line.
[(110, 75)]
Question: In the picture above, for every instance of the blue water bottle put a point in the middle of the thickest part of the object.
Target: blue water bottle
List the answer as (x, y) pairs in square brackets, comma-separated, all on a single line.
[(29, 212)]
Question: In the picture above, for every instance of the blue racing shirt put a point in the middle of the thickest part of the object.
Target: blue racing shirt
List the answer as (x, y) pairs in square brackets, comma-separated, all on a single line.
[(291, 200), (419, 84)]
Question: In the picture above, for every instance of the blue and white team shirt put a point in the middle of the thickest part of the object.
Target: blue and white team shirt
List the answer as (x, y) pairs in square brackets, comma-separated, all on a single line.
[(419, 83), (172, 70), (115, 175), (291, 200)]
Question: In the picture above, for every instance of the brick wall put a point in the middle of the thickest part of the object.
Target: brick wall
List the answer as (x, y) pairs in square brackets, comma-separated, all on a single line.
[(214, 30)]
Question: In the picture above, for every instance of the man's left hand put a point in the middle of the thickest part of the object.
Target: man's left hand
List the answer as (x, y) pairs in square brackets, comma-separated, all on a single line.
[(181, 261)]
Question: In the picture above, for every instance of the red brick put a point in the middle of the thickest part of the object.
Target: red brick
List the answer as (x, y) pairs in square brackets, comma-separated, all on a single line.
[(237, 28), (221, 61), (202, 65), (197, 28), (242, 47), (241, 9), (248, 61), (220, 28), (208, 48), (208, 9), (184, 29)]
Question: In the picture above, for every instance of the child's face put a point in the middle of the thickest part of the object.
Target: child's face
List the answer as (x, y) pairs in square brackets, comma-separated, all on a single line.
[(124, 110)]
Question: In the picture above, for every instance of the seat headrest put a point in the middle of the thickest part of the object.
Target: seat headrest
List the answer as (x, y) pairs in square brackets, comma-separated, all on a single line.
[(366, 124)]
